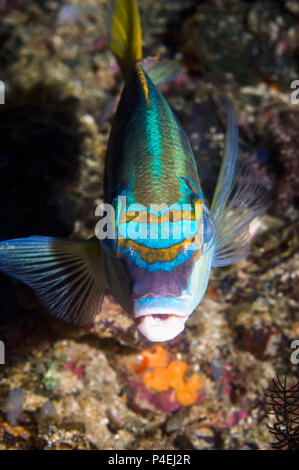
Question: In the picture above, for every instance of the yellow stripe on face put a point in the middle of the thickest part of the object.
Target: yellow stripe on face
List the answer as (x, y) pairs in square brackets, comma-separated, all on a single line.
[(148, 217), (152, 255), (198, 217), (198, 209)]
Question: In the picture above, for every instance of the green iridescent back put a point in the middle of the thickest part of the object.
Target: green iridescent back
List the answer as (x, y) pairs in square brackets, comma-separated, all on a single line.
[(148, 151)]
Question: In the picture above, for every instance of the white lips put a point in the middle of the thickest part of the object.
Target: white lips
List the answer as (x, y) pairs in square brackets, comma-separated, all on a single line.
[(159, 328)]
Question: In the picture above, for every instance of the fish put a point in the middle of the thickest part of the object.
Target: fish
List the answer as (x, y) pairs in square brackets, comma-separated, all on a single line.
[(156, 240)]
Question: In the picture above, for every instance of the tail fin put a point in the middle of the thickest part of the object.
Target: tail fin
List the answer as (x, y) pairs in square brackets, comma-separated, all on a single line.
[(124, 34)]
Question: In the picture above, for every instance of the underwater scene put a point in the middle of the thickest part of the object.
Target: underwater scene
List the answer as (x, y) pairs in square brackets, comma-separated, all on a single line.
[(149, 235)]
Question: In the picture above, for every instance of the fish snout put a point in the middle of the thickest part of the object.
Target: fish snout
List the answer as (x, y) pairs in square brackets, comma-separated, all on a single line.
[(161, 318), (161, 327)]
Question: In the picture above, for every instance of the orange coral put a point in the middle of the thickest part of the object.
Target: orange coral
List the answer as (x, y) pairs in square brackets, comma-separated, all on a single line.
[(186, 393), (177, 370), (156, 357), (140, 366), (162, 378), (158, 379), (164, 375), (211, 291)]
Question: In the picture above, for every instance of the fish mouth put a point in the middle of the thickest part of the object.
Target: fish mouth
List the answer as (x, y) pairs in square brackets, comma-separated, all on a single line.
[(162, 316), (159, 317), (158, 327), (161, 306)]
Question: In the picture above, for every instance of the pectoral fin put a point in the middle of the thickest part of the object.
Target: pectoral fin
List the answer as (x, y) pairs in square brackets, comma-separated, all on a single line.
[(66, 276), (247, 201), (161, 71), (238, 199)]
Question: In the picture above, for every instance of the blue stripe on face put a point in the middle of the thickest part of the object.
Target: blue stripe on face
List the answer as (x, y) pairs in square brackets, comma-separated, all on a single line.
[(157, 265), (158, 235), (146, 230), (163, 304)]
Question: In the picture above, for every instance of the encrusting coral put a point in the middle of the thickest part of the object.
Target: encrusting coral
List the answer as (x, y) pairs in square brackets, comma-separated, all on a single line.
[(165, 375)]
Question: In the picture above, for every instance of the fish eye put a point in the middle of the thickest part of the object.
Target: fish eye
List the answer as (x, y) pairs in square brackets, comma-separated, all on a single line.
[(209, 228), (193, 244), (131, 251)]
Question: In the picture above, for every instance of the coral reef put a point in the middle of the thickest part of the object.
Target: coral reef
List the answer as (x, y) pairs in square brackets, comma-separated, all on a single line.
[(283, 129)]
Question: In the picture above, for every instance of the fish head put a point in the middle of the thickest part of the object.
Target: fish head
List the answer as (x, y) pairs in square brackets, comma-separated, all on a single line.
[(163, 267)]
